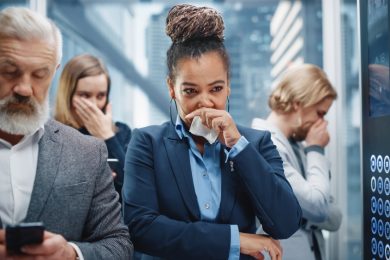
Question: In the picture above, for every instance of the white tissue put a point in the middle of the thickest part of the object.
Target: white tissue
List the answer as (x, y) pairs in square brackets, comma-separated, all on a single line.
[(197, 128)]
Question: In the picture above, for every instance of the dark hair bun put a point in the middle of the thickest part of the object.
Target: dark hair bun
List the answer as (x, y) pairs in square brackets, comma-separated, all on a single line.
[(185, 22)]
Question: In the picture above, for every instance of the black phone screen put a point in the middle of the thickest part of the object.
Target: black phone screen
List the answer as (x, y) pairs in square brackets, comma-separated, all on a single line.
[(23, 234)]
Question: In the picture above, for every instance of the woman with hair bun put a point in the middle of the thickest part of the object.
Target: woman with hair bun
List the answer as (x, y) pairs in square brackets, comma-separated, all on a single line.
[(194, 187)]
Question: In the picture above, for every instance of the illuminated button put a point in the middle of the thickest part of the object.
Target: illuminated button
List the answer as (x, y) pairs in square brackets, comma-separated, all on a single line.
[(387, 186), (380, 185), (373, 184), (381, 249), (380, 206), (379, 163), (387, 230), (374, 226), (373, 163), (387, 252), (387, 208), (374, 205), (381, 228), (207, 205), (374, 246), (387, 164)]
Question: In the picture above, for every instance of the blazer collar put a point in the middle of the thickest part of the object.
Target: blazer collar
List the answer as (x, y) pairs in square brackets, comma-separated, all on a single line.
[(50, 149), (177, 150)]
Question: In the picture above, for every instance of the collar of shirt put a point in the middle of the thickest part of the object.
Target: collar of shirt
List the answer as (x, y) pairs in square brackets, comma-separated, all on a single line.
[(180, 129), (34, 137)]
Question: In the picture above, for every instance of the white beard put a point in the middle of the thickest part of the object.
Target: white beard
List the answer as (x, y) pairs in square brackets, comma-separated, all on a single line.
[(22, 121)]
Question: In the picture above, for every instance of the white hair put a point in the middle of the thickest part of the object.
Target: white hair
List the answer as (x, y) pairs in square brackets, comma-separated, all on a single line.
[(24, 24)]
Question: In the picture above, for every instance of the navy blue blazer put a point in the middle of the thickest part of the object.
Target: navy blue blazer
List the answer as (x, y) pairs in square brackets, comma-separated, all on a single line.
[(160, 204)]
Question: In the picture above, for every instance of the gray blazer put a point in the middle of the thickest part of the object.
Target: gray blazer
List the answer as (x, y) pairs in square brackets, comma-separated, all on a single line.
[(74, 195)]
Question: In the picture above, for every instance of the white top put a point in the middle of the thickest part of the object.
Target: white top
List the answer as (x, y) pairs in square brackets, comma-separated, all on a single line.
[(17, 175)]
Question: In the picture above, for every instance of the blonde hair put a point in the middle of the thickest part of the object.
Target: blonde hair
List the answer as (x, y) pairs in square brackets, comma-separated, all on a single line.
[(25, 25), (81, 66), (305, 84)]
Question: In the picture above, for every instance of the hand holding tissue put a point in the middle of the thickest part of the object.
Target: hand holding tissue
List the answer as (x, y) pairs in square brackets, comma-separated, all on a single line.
[(197, 128)]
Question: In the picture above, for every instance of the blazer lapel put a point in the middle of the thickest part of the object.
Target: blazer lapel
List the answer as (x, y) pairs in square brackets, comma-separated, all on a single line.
[(177, 150), (228, 187), (48, 164)]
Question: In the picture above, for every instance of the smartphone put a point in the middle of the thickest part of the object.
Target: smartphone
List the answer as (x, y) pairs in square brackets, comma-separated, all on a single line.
[(23, 234), (113, 162)]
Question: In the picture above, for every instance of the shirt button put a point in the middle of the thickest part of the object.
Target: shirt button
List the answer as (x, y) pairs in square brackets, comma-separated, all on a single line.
[(207, 206), (204, 174)]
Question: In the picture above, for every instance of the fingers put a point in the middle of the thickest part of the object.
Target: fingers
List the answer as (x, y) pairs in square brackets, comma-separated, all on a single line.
[(259, 256), (2, 244), (54, 246), (274, 252), (320, 124), (279, 247), (85, 104), (2, 236), (259, 245), (81, 109), (82, 114), (218, 124), (208, 115), (51, 244), (86, 108), (97, 123), (221, 122), (272, 247)]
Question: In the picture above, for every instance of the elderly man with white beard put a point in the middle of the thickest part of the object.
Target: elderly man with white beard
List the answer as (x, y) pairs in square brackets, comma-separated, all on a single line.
[(49, 172)]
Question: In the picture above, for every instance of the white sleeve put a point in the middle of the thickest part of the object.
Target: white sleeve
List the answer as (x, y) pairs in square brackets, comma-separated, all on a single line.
[(78, 251)]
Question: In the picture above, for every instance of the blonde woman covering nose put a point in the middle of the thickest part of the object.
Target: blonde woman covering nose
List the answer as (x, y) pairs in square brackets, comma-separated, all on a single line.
[(82, 102)]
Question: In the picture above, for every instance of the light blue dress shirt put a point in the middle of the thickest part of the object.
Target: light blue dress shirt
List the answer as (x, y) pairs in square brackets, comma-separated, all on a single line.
[(206, 175)]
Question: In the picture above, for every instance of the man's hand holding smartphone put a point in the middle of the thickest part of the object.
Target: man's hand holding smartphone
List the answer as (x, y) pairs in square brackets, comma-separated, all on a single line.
[(23, 234), (54, 246)]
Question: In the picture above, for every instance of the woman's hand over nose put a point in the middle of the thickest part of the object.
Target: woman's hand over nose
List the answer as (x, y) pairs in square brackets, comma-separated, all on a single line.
[(219, 120)]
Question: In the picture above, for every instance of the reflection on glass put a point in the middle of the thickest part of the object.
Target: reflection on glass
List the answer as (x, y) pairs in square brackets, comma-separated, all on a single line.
[(7, 3), (379, 90), (378, 58)]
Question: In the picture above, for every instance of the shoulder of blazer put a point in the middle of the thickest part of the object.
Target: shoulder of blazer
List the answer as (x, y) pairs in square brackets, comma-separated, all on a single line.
[(158, 131), (251, 134), (69, 136)]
